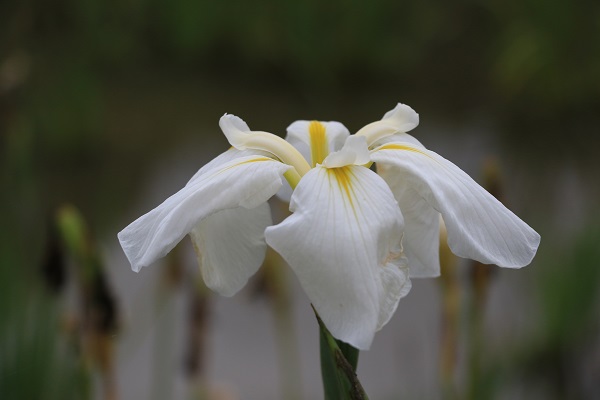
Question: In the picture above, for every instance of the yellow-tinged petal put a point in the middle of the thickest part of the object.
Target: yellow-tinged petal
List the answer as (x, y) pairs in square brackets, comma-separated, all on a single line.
[(399, 120), (241, 137)]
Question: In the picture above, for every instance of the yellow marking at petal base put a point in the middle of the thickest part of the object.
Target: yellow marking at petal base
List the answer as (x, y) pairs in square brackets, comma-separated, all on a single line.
[(342, 177), (319, 147)]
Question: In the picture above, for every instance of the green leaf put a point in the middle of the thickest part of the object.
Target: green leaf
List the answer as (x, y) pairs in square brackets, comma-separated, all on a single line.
[(350, 353), (338, 368)]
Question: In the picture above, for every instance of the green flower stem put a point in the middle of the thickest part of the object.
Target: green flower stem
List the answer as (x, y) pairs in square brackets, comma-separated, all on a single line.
[(338, 367)]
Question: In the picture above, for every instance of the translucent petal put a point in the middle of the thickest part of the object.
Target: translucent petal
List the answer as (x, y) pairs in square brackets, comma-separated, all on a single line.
[(421, 225), (479, 226), (242, 182), (231, 247), (343, 241)]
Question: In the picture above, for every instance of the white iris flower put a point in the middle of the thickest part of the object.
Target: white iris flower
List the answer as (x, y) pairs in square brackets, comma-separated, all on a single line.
[(354, 236)]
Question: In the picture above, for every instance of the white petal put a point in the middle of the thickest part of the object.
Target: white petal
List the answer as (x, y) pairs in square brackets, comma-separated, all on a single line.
[(421, 225), (400, 137), (298, 135), (399, 120), (343, 241), (243, 182), (235, 130), (403, 117), (224, 158), (479, 226), (241, 137), (421, 221), (285, 192), (354, 152), (231, 246)]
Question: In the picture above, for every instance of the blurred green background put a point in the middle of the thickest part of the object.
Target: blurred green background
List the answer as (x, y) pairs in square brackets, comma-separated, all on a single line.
[(99, 98)]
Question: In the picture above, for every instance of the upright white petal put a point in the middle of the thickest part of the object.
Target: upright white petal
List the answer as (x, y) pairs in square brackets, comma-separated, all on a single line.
[(231, 247), (479, 226), (298, 134), (343, 241), (243, 182)]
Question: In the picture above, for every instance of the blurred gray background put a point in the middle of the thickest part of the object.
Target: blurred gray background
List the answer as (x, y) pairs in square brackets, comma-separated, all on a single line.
[(110, 107)]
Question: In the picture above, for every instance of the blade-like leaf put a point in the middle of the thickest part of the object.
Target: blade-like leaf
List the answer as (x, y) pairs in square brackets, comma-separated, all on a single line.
[(338, 368)]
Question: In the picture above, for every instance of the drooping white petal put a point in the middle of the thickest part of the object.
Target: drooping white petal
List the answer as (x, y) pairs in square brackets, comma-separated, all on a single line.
[(354, 152), (399, 137), (479, 226), (399, 120), (243, 182), (343, 241), (421, 225), (224, 158), (231, 247), (421, 221)]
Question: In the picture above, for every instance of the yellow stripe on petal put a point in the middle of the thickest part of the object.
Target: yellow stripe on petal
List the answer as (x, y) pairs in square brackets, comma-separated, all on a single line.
[(343, 177), (319, 146), (250, 161), (398, 146)]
